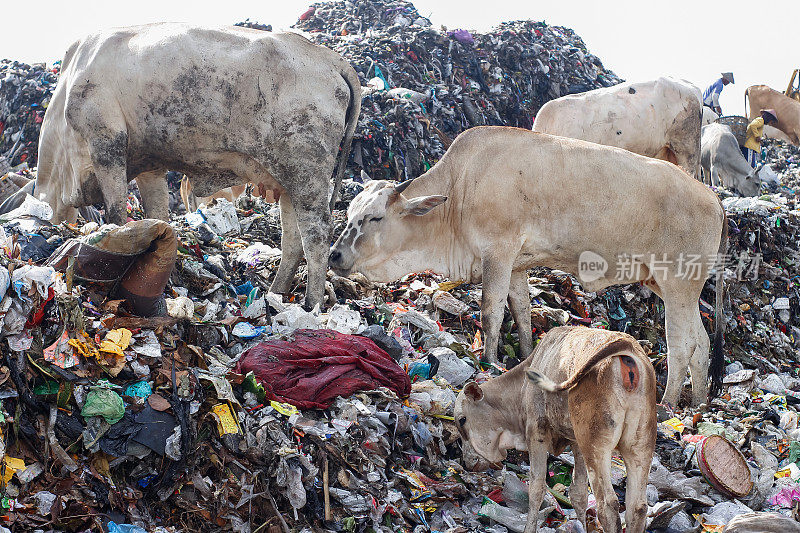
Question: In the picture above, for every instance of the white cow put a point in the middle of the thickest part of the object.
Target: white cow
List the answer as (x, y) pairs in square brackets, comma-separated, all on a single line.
[(709, 116), (224, 106), (514, 199), (721, 157), (659, 118)]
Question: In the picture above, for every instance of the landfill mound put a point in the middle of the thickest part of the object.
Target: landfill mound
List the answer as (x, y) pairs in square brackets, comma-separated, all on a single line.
[(425, 86), (25, 91), (435, 84), (784, 158)]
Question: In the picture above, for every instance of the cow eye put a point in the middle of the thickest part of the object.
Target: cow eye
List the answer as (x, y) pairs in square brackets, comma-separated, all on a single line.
[(376, 219), (462, 421)]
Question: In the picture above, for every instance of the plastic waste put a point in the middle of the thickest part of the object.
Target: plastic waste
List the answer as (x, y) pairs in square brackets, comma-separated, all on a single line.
[(102, 401), (723, 512), (124, 528), (246, 330), (513, 520), (221, 217), (450, 304), (181, 307), (762, 523), (515, 492), (44, 501), (294, 317), (344, 320), (31, 207), (452, 369)]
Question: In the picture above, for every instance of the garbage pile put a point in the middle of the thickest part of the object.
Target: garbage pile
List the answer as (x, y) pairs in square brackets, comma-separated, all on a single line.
[(425, 86), (237, 410), (784, 159), (25, 91), (233, 410), (150, 382)]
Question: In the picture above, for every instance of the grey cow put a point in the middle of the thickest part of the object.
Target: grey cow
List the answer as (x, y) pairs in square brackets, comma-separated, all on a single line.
[(225, 106), (722, 161)]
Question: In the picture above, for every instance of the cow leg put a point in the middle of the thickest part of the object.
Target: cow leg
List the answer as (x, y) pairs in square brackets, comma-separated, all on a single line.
[(314, 222), (114, 186), (598, 422), (291, 248), (637, 451), (496, 281), (538, 461), (154, 193), (699, 360), (579, 489), (681, 342), (108, 149), (598, 466), (716, 179), (519, 302)]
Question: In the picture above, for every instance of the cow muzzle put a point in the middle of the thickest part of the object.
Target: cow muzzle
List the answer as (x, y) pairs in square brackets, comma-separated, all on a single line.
[(338, 263)]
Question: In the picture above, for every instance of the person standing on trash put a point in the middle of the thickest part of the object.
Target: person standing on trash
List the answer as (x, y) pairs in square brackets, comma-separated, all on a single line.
[(711, 95), (755, 132)]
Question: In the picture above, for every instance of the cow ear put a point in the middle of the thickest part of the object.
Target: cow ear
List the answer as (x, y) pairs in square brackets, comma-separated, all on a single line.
[(422, 205), (365, 178), (473, 391)]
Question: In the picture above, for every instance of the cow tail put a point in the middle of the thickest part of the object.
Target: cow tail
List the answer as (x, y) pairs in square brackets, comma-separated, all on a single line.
[(351, 121), (602, 354), (718, 355)]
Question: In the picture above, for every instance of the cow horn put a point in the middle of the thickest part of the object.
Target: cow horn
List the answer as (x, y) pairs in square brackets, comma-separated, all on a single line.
[(403, 186)]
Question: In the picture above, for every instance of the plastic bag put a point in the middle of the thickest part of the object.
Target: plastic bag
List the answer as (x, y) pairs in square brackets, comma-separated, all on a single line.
[(221, 217), (124, 528), (452, 369), (104, 402), (515, 492), (344, 320)]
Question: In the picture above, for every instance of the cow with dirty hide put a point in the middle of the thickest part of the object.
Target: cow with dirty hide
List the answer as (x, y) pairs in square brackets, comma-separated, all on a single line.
[(224, 106), (723, 163), (659, 118), (503, 200), (603, 399)]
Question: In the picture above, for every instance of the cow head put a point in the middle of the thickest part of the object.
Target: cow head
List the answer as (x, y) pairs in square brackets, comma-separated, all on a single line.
[(382, 236), (51, 192), (749, 185), (477, 424)]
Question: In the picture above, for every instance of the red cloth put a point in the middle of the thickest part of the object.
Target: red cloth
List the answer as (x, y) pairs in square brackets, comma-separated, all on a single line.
[(319, 365)]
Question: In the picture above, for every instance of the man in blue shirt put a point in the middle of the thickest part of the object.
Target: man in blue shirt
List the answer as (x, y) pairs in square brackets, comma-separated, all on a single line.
[(711, 96)]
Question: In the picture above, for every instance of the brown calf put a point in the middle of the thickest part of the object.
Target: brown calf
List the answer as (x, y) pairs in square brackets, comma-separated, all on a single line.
[(606, 400), (192, 202)]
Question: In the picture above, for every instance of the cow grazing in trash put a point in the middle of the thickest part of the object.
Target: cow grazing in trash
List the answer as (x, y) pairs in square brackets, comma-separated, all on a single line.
[(502, 200), (787, 110), (659, 118), (605, 399), (721, 157), (224, 106)]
